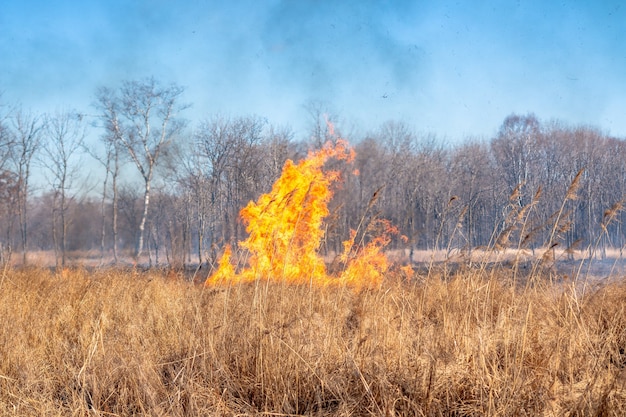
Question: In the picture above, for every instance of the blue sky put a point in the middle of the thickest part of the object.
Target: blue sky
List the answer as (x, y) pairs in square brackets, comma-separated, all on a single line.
[(456, 69)]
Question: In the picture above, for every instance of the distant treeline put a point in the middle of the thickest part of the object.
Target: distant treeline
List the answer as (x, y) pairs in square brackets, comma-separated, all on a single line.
[(534, 184)]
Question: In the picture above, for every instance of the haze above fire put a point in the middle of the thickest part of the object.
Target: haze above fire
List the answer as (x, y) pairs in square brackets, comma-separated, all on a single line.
[(454, 70)]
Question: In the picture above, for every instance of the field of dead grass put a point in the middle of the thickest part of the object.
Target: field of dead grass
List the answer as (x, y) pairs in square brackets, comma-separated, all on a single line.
[(122, 343)]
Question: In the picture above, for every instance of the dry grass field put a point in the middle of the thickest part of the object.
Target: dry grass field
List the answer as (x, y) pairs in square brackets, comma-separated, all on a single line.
[(122, 343), (501, 331)]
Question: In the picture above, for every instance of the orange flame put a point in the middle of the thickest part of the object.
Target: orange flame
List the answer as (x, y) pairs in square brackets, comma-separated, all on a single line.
[(285, 231), (367, 261)]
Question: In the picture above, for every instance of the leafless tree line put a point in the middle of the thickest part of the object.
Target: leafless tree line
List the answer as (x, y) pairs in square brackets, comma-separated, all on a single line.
[(170, 192)]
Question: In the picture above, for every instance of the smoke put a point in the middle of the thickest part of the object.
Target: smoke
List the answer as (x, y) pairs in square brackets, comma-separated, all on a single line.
[(448, 67), (340, 51)]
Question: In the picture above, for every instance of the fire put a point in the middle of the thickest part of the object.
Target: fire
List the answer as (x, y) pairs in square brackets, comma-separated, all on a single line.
[(285, 231)]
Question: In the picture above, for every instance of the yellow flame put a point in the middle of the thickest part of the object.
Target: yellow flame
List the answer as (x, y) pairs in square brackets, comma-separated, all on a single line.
[(285, 231)]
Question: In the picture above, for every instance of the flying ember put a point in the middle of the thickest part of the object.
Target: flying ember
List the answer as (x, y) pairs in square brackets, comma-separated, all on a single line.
[(285, 228)]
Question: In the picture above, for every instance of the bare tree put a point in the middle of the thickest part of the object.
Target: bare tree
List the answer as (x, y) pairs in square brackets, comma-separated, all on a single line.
[(322, 122), (195, 192), (65, 134), (8, 201), (230, 167), (7, 183), (278, 147), (471, 169), (27, 133), (516, 151), (5, 133), (143, 115), (129, 201), (7, 138), (112, 163)]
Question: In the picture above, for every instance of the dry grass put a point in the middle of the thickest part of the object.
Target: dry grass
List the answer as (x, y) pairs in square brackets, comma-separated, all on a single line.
[(122, 343)]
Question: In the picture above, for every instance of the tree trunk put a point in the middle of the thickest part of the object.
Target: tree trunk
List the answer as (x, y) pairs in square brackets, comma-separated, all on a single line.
[(103, 212), (63, 227), (144, 216), (55, 240), (114, 185), (23, 195), (201, 214)]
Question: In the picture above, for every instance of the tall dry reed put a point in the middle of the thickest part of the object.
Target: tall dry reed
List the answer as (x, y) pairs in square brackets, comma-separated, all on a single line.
[(471, 343)]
